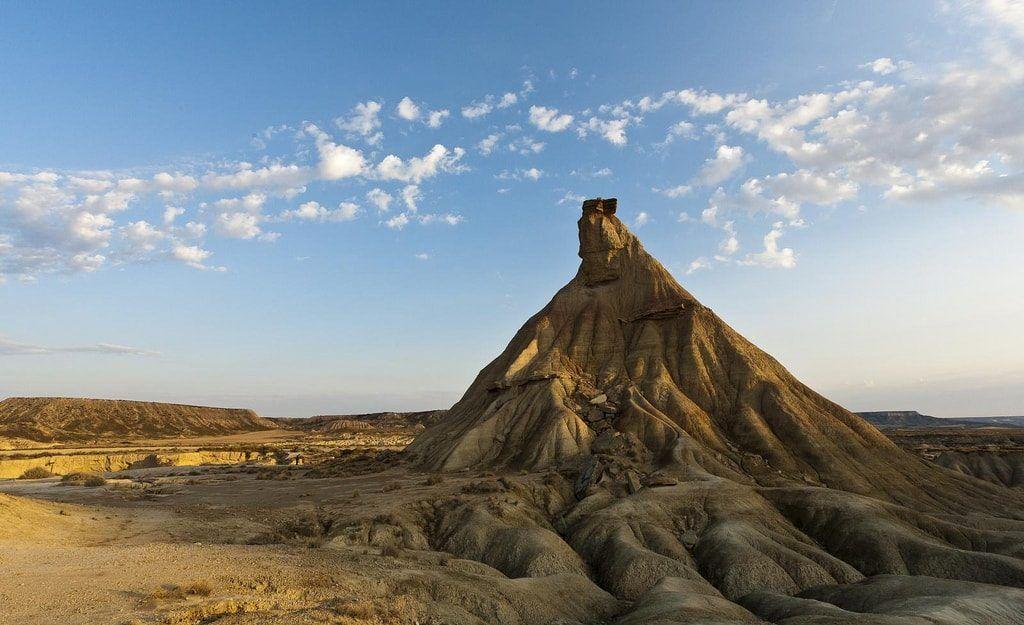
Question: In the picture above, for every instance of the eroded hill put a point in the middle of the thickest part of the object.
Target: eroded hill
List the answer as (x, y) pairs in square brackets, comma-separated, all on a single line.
[(68, 419)]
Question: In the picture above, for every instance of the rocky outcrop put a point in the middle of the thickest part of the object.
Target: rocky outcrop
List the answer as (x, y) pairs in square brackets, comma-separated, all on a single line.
[(65, 463)]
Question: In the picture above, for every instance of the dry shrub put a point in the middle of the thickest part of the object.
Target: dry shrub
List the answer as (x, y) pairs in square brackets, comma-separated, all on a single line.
[(200, 588), (310, 528), (164, 594), (82, 478), (391, 551), (173, 593), (434, 479), (391, 486), (398, 610), (36, 473)]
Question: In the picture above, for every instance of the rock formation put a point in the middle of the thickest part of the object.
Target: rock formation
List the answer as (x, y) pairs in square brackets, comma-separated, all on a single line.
[(624, 350), (706, 484)]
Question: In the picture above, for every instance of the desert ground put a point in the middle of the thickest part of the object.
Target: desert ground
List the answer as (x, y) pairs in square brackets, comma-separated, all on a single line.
[(629, 458)]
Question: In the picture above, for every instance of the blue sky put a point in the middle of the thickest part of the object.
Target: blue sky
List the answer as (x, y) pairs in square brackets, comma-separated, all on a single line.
[(325, 208)]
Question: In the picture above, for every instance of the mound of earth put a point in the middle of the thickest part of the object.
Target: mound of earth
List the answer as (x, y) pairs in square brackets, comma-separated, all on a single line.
[(692, 477), (66, 419), (327, 424)]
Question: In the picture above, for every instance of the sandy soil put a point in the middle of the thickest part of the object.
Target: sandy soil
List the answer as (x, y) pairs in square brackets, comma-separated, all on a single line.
[(116, 554)]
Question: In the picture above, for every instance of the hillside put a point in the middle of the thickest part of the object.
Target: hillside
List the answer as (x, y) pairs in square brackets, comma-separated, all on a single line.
[(325, 424), (67, 419), (912, 419)]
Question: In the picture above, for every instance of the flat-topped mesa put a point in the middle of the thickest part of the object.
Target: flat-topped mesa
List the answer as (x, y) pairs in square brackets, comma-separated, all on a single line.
[(602, 237)]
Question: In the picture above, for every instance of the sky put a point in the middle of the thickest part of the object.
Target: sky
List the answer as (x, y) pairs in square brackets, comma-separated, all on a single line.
[(322, 207)]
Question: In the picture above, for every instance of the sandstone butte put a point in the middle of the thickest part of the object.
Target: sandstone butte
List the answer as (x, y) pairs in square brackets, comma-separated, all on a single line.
[(710, 482)]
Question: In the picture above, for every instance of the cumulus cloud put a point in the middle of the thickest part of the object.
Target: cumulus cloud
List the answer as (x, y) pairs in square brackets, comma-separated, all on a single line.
[(773, 256), (364, 121), (507, 100), (379, 198), (726, 161), (337, 161), (407, 109), (479, 109), (192, 255), (417, 169), (487, 144), (411, 196), (549, 119), (642, 219), (436, 118), (314, 211)]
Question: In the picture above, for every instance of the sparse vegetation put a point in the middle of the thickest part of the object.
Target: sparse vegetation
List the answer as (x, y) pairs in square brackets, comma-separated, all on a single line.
[(434, 479), (390, 486), (36, 473), (81, 478)]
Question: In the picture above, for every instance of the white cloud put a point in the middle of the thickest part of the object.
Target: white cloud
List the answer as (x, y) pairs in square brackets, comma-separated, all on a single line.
[(726, 161), (809, 187), (407, 109), (364, 121), (520, 174), (705, 103), (507, 100), (379, 198), (772, 256), (436, 118), (337, 161), (881, 66), (572, 198), (477, 110), (642, 219), (730, 245), (314, 211), (12, 348), (411, 195), (697, 264), (171, 213), (674, 192), (397, 222), (142, 237), (273, 176), (446, 218), (526, 146), (192, 255), (486, 145), (237, 225), (679, 130), (611, 130), (417, 169), (549, 119), (422, 256)]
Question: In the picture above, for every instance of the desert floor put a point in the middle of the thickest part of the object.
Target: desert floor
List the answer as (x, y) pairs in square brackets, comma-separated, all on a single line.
[(191, 545)]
